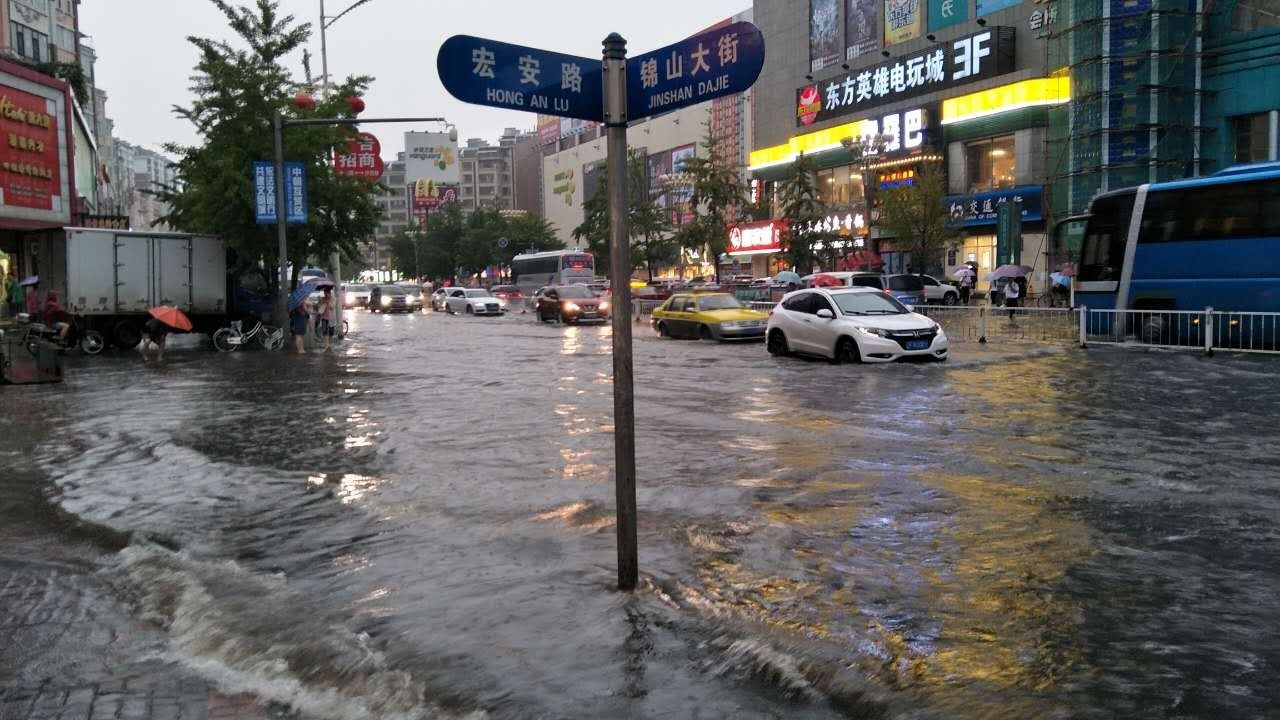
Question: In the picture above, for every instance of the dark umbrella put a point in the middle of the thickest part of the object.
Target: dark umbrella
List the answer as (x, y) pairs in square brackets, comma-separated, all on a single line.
[(299, 296)]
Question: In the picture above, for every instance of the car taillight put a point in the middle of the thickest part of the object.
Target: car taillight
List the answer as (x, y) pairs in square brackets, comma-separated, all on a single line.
[(887, 291)]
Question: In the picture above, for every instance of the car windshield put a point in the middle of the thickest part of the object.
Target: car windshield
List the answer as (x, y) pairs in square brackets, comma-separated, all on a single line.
[(871, 281), (576, 292), (865, 303), (719, 302), (478, 293), (413, 291), (392, 290)]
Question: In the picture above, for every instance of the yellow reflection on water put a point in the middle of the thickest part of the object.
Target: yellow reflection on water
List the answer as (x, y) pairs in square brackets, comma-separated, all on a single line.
[(353, 487)]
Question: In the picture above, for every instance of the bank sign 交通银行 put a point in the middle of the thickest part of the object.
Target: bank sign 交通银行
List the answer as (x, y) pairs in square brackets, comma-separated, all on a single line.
[(29, 161), (975, 57)]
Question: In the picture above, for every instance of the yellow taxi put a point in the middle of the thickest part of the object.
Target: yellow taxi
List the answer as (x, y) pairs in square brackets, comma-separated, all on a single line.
[(709, 316)]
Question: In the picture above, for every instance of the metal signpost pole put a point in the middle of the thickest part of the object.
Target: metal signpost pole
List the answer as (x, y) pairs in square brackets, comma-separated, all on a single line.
[(624, 412), (282, 296)]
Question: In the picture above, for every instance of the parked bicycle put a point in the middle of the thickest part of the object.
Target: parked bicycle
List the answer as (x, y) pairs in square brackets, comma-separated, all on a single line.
[(230, 339)]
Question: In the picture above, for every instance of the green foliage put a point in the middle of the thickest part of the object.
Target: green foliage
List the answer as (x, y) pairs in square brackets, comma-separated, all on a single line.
[(453, 243), (917, 218), (648, 226), (801, 208), (718, 197), (236, 91)]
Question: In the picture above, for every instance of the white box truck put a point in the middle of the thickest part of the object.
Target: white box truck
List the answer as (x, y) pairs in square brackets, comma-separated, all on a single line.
[(112, 278)]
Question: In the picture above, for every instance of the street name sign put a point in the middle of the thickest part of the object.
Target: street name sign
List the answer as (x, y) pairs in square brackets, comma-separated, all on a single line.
[(295, 192), (498, 74), (722, 61)]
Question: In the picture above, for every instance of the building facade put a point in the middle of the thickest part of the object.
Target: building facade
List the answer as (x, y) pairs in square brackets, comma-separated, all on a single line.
[(966, 84), (393, 201), (488, 173)]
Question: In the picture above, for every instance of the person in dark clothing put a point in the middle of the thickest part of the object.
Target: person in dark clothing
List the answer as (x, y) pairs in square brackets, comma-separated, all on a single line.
[(154, 332)]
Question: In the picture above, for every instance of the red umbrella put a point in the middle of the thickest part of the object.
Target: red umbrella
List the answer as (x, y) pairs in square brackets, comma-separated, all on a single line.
[(173, 317), (826, 281)]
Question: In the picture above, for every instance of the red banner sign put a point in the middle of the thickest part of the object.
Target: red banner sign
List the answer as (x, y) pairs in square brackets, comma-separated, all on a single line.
[(29, 162), (363, 158), (758, 238)]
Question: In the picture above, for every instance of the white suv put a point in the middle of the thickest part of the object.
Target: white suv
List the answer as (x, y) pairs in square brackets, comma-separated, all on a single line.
[(852, 325), (936, 291)]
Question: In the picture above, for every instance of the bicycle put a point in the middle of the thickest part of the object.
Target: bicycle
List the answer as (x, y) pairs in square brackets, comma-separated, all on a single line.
[(230, 339)]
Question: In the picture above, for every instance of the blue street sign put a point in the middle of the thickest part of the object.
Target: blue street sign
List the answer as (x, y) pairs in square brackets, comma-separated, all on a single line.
[(713, 64), (264, 193), (498, 74)]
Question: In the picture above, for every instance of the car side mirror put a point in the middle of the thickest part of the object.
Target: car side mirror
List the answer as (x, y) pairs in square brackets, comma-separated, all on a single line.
[(826, 314)]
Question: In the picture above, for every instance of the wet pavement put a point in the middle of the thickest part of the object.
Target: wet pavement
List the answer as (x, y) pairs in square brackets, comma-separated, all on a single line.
[(421, 525)]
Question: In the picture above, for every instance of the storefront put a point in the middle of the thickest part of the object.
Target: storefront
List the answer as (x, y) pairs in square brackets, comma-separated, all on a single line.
[(755, 249), (36, 167)]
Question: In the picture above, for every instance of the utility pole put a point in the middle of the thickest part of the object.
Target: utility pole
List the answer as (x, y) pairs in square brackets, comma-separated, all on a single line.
[(324, 50), (624, 410)]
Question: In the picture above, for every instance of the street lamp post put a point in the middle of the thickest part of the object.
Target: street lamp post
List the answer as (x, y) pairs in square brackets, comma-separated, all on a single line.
[(325, 23)]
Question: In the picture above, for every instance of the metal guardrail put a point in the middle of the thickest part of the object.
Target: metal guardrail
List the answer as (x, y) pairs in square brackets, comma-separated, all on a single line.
[(1204, 330), (992, 324)]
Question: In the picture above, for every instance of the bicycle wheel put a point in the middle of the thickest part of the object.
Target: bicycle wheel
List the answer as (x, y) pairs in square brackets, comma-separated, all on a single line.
[(222, 341), (271, 338)]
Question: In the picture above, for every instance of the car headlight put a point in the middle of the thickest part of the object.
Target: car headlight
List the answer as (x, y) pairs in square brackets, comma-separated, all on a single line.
[(571, 307), (604, 306), (878, 332), (386, 300), (502, 302)]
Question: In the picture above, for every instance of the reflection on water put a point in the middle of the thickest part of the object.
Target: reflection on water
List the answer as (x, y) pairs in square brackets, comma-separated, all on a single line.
[(1087, 536)]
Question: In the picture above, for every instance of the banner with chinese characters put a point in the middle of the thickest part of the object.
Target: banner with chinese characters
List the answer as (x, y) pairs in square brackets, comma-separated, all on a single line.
[(902, 21), (945, 13), (31, 167), (980, 56), (548, 129), (984, 208), (824, 34), (861, 28), (363, 158)]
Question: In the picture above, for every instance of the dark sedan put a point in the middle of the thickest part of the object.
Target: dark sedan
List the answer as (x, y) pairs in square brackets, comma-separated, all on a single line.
[(571, 304)]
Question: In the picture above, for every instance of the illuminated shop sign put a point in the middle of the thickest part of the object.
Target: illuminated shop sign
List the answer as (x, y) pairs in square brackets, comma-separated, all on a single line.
[(905, 132), (1015, 96), (980, 56)]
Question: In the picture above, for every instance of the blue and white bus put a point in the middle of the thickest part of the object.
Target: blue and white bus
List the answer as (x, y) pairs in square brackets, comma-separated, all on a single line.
[(559, 267), (1186, 245)]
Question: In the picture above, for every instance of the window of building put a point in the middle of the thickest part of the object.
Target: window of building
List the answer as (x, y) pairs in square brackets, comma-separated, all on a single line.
[(1253, 15), (990, 163), (28, 43), (1252, 138), (840, 187), (66, 39)]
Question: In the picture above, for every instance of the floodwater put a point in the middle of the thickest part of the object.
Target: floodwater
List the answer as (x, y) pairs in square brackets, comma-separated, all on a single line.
[(422, 525)]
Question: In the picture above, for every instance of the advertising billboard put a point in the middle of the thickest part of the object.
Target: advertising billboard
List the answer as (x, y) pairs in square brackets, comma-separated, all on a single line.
[(986, 7), (861, 28), (32, 154), (824, 34), (548, 129), (363, 158), (431, 156), (902, 21), (945, 13)]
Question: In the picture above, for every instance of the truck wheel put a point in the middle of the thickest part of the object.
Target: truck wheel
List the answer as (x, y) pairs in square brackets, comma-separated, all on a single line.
[(126, 335)]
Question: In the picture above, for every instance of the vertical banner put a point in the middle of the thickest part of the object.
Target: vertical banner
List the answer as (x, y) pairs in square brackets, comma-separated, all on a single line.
[(902, 21), (824, 34), (945, 13), (861, 28), (1009, 233)]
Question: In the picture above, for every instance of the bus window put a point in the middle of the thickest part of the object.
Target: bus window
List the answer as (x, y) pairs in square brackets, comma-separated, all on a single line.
[(1215, 212), (1102, 256)]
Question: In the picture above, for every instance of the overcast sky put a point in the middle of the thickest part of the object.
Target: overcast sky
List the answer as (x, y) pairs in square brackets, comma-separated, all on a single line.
[(145, 61)]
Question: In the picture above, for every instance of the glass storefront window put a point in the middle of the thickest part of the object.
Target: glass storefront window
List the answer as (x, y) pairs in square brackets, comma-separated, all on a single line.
[(990, 164), (1252, 138)]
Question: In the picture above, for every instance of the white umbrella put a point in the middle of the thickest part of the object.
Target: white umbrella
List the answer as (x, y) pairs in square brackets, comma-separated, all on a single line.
[(964, 271), (1010, 271)]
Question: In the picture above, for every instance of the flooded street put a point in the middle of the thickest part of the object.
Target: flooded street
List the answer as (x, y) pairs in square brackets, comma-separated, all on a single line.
[(423, 524)]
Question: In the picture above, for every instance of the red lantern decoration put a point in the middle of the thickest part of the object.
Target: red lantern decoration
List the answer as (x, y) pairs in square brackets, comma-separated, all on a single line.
[(356, 104), (304, 101)]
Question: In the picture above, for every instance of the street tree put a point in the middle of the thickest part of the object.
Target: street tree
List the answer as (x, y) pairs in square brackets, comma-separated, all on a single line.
[(864, 150), (803, 210), (408, 251), (916, 216), (527, 233), (646, 221), (237, 88), (718, 198)]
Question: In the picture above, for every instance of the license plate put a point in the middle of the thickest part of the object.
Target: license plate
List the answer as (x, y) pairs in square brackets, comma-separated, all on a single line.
[(917, 344)]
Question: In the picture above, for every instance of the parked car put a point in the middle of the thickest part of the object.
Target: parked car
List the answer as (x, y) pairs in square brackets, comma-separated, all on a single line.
[(653, 293), (355, 296), (708, 316), (472, 301), (937, 291), (389, 299), (571, 304), (907, 289), (439, 296), (509, 296), (853, 325)]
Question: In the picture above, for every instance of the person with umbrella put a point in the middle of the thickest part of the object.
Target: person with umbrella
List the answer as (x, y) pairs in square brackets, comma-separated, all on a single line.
[(298, 316), (966, 274), (326, 317), (156, 330), (13, 294)]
